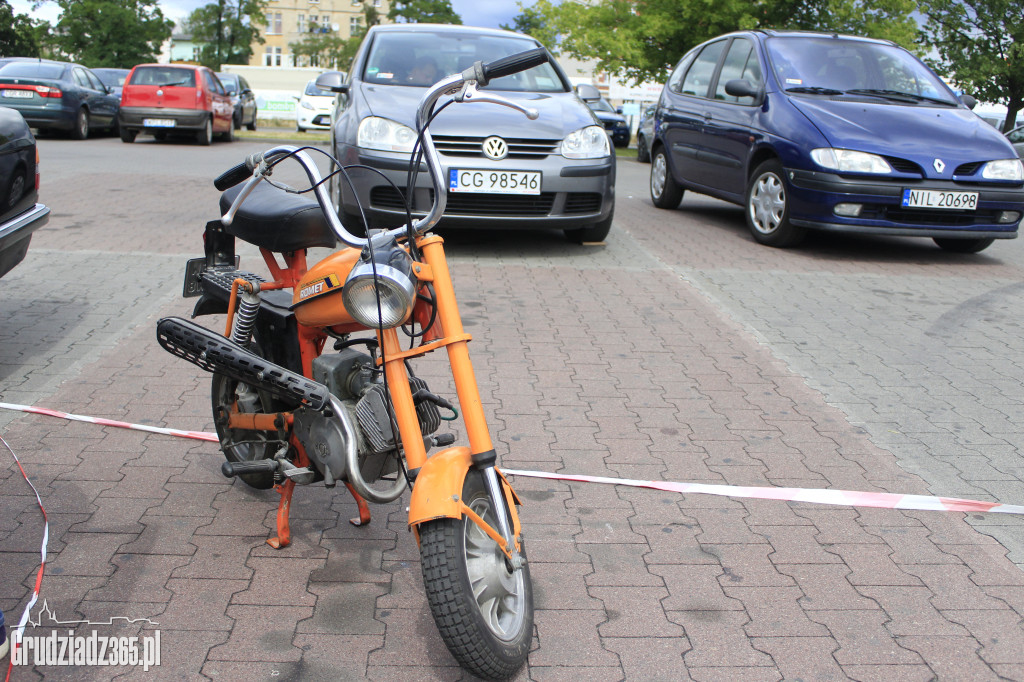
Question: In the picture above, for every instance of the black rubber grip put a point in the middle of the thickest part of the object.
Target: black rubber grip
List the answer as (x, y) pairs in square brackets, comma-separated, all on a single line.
[(506, 66), (261, 466), (239, 173), (232, 177)]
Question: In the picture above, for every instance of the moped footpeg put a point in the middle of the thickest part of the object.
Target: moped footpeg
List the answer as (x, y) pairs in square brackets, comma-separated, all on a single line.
[(215, 353), (260, 466)]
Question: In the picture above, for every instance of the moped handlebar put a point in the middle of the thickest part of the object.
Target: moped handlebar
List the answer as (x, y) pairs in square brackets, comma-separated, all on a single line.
[(461, 87)]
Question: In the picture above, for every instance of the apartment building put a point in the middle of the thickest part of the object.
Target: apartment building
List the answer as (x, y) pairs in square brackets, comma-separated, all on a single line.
[(288, 21)]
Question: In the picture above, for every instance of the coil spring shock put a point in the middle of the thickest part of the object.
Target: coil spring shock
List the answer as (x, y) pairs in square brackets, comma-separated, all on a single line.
[(245, 318)]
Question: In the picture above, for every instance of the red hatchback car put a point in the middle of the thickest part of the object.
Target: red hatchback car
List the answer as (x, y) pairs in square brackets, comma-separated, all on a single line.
[(163, 99)]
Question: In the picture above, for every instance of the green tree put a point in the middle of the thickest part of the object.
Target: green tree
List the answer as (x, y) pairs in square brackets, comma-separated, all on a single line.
[(423, 12), (641, 39), (980, 45), (533, 23), (227, 29), (111, 33), (328, 50), (19, 34)]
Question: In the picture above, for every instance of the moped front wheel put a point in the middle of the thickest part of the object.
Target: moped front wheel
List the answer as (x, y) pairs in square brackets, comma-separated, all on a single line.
[(483, 610)]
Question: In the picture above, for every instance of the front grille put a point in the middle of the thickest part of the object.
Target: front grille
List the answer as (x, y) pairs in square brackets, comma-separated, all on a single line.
[(911, 216), (387, 197), (582, 202), (518, 147), (609, 125), (968, 168), (501, 204), (904, 166)]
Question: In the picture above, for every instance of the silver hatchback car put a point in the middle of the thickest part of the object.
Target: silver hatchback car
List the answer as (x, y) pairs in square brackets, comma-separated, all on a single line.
[(503, 170)]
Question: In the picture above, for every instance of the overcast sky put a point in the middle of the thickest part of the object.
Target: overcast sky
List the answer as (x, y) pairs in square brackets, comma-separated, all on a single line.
[(488, 13)]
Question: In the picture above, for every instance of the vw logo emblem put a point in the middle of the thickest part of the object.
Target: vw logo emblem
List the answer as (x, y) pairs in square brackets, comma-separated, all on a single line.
[(495, 148), (939, 166)]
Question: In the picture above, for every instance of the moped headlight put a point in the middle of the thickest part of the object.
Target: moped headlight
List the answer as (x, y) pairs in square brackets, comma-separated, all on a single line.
[(1004, 169), (392, 288), (386, 135), (586, 143), (850, 161)]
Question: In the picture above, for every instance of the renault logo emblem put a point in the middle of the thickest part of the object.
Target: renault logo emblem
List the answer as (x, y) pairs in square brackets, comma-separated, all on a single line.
[(939, 166), (495, 148)]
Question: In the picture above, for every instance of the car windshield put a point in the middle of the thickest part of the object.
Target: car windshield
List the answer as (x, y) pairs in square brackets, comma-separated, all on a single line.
[(830, 66), (163, 75), (228, 81), (313, 91), (600, 105), (421, 58), (32, 70)]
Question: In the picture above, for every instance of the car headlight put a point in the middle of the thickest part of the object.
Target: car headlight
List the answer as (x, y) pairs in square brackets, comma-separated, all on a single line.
[(386, 135), (306, 105), (1004, 169), (393, 286), (849, 161), (586, 143)]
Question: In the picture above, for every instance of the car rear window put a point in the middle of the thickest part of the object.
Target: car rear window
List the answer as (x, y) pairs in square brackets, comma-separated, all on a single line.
[(163, 75), (32, 70), (421, 58)]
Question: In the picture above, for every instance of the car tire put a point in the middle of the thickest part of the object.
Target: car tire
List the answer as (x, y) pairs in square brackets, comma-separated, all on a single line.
[(665, 191), (252, 124), (592, 233), (767, 207), (228, 136), (205, 136), (128, 135), (236, 121), (15, 188), (643, 155), (81, 129), (299, 129), (963, 245)]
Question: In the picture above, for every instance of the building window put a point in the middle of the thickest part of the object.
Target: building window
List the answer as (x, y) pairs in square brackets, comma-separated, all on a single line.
[(272, 56), (301, 23), (354, 24), (195, 54), (273, 23)]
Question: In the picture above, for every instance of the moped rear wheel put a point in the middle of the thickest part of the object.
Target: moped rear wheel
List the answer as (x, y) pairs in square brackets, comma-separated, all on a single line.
[(241, 445), (483, 610)]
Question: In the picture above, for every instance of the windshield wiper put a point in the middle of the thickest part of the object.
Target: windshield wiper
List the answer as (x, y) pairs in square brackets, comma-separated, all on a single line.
[(814, 90), (174, 83), (901, 96)]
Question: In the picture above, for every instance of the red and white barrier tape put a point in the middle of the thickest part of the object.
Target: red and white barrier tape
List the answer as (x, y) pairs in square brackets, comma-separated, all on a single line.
[(198, 435), (17, 632), (847, 498)]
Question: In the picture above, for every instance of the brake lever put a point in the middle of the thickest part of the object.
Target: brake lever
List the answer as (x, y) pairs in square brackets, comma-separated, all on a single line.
[(470, 93)]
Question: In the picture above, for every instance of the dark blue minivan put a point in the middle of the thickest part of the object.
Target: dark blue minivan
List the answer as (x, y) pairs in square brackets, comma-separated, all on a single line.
[(829, 132)]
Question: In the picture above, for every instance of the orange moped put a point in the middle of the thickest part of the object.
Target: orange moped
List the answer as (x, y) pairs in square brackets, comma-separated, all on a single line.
[(289, 412)]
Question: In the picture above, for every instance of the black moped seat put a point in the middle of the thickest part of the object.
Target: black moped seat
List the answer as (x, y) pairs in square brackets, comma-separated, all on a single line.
[(279, 221)]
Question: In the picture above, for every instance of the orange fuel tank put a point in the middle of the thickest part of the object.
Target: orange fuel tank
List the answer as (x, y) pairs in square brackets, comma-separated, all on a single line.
[(317, 298)]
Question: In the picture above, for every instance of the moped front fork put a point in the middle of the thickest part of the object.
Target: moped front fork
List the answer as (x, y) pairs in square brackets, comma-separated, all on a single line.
[(435, 269)]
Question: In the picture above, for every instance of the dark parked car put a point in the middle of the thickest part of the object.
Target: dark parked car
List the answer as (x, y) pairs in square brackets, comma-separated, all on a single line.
[(243, 99), (815, 131), (20, 215), (613, 121), (58, 96), (504, 170), (113, 79), (645, 134), (1016, 138)]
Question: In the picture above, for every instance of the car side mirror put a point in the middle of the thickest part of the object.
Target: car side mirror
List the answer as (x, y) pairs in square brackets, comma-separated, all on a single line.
[(587, 92), (232, 93), (968, 101), (333, 81), (741, 87), (618, 110)]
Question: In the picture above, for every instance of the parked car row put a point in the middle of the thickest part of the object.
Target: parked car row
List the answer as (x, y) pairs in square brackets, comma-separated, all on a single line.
[(58, 96)]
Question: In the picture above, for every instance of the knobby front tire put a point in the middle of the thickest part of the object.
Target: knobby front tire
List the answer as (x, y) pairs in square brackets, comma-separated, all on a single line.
[(483, 611)]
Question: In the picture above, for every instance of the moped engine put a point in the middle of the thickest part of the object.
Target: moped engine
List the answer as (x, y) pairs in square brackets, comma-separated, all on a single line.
[(351, 378)]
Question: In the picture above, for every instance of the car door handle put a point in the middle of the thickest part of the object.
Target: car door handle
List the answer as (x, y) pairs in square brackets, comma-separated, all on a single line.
[(707, 116)]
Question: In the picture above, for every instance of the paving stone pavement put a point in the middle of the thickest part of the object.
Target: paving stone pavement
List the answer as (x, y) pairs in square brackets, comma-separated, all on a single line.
[(679, 351)]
